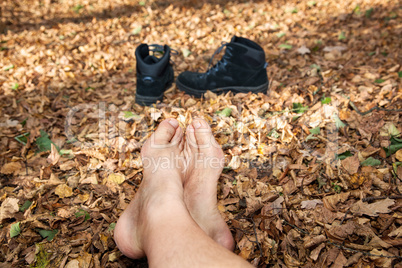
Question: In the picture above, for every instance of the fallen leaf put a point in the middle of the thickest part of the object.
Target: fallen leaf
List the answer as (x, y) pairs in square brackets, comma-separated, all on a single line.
[(331, 202), (397, 232), (115, 178), (339, 261), (8, 208), (11, 168), (65, 212), (303, 50), (351, 164), (316, 252), (371, 162), (63, 190), (73, 264), (15, 230), (364, 208), (310, 204), (338, 48), (68, 165), (155, 114), (313, 241), (398, 155), (49, 234), (54, 155), (380, 261)]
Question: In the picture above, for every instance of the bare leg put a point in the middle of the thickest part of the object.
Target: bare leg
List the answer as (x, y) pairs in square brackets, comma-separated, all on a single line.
[(205, 163), (157, 223)]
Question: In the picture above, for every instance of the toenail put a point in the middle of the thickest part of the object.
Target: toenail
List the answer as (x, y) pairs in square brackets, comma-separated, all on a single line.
[(197, 124), (173, 123)]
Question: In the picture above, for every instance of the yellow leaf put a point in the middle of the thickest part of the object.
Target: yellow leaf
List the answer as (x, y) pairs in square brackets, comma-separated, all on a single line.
[(63, 190), (116, 178), (398, 155)]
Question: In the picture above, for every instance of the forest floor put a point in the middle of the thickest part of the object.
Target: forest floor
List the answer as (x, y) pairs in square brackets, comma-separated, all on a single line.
[(314, 168)]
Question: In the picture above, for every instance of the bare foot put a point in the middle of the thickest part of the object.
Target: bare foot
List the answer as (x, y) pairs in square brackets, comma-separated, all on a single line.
[(205, 163), (161, 187)]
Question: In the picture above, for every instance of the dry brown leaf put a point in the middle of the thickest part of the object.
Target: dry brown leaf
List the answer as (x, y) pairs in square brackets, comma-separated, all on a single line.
[(92, 153), (8, 208), (397, 232), (331, 202), (66, 212), (68, 165), (341, 232), (310, 204), (364, 208), (54, 180), (73, 264), (292, 262), (246, 247), (54, 155), (351, 164), (11, 168), (313, 241), (377, 242), (354, 259), (381, 261), (340, 261), (89, 179), (84, 260), (316, 252)]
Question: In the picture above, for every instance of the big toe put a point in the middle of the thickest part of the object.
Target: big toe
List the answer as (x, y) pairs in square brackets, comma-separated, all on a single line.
[(203, 138), (167, 132)]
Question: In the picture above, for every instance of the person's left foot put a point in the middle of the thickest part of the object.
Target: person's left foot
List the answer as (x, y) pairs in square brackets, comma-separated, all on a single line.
[(205, 161), (161, 188)]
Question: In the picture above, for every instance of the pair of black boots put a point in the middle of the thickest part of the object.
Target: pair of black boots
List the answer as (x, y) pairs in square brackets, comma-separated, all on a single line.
[(241, 69)]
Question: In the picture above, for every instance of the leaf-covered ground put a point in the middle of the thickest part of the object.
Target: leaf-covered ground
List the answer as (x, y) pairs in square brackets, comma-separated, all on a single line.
[(314, 170)]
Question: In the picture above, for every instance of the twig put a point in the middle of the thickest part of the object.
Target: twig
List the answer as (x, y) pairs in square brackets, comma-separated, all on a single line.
[(285, 172), (255, 235), (363, 252), (256, 238), (371, 198), (372, 109), (344, 217), (294, 226)]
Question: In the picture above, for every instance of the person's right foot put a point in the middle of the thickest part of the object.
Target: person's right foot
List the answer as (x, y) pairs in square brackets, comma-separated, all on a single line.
[(205, 161)]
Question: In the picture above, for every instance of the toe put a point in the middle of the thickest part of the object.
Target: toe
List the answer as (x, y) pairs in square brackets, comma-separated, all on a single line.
[(203, 134), (191, 142), (167, 132)]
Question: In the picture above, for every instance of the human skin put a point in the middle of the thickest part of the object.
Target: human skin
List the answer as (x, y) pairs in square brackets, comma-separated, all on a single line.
[(171, 220)]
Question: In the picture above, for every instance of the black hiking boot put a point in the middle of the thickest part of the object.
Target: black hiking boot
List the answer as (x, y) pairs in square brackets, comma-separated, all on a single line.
[(154, 75), (241, 69)]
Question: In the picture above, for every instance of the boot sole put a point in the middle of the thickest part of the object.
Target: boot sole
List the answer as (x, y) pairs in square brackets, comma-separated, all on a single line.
[(196, 93), (149, 100)]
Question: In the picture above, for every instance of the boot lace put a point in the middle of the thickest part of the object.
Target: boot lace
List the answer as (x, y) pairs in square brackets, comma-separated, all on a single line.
[(222, 61), (160, 51)]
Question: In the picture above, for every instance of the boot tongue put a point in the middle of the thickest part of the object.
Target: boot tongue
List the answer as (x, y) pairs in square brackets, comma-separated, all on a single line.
[(152, 65), (150, 59)]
